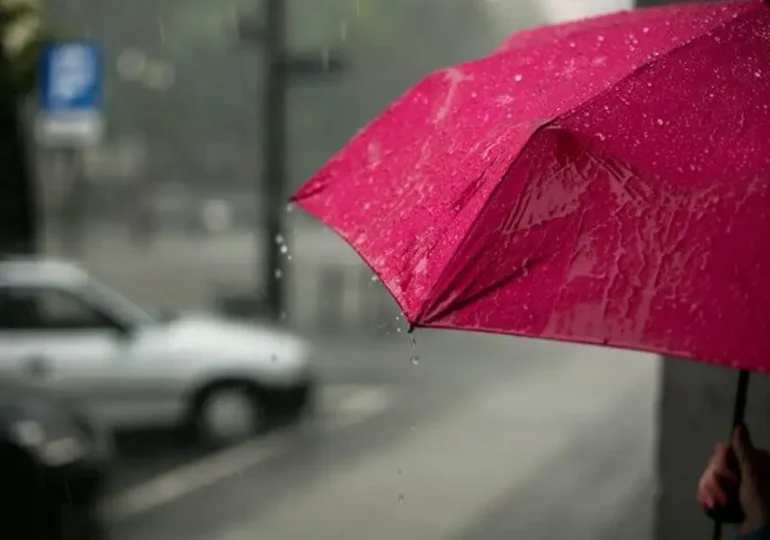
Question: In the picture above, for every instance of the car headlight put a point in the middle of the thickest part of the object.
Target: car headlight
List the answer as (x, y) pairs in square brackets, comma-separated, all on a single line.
[(54, 447)]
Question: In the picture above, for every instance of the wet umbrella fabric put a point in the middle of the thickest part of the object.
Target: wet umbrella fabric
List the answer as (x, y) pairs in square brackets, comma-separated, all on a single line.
[(602, 182)]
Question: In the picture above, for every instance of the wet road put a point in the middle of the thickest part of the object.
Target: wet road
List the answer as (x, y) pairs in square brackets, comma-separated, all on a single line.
[(486, 437)]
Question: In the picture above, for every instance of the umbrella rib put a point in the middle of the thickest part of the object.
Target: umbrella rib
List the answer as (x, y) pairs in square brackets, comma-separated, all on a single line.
[(435, 298), (497, 285), (653, 61)]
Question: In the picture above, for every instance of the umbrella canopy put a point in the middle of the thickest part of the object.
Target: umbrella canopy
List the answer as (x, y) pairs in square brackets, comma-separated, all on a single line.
[(605, 181)]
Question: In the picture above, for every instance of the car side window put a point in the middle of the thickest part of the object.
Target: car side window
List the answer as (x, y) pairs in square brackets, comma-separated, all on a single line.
[(44, 308)]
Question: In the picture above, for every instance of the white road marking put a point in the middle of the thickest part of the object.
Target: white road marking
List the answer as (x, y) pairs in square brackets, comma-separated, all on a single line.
[(339, 408), (186, 479), (359, 406)]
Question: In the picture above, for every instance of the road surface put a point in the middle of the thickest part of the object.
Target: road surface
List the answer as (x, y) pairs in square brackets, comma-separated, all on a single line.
[(485, 438)]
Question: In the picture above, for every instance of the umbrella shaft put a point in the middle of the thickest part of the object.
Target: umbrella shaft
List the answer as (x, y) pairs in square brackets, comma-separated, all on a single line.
[(739, 411), (739, 414)]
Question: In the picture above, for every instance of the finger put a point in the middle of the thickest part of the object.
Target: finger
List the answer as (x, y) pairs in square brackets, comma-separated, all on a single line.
[(719, 459), (744, 449), (718, 464), (710, 492)]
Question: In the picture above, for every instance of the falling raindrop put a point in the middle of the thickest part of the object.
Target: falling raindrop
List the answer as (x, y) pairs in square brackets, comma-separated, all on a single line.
[(279, 239), (414, 359), (401, 497), (375, 279), (284, 249), (278, 273), (289, 208), (343, 31), (518, 77)]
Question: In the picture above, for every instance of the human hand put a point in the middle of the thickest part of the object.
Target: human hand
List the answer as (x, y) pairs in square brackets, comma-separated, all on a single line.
[(753, 480)]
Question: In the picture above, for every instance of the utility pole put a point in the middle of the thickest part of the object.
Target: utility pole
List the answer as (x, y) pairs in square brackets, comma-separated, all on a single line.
[(274, 155), (282, 68)]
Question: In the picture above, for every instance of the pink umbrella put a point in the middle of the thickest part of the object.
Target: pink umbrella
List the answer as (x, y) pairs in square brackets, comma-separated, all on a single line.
[(602, 182)]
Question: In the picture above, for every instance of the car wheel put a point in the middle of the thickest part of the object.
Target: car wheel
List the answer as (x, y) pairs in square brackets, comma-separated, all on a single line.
[(227, 414)]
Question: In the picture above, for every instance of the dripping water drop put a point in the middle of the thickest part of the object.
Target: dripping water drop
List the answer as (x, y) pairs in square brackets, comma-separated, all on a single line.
[(414, 359)]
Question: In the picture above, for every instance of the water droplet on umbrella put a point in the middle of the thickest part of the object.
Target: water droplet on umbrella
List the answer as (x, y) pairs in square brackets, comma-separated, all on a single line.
[(758, 73), (601, 136), (646, 30), (518, 77), (279, 239), (600, 38), (375, 279), (660, 121)]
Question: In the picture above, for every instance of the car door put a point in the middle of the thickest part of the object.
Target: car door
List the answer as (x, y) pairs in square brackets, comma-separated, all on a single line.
[(55, 339)]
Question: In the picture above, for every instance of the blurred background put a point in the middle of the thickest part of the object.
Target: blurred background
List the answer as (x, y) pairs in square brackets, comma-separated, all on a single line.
[(181, 208)]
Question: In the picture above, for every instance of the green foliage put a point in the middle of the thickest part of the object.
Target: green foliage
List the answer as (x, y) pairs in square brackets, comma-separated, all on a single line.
[(21, 38)]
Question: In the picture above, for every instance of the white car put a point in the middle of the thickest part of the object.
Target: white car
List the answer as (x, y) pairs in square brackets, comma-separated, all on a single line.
[(63, 330)]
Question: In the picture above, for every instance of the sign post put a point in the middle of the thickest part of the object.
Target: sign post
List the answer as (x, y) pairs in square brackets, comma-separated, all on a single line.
[(69, 120), (69, 95)]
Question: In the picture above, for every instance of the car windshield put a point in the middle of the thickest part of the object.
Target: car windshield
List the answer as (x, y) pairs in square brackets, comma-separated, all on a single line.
[(122, 306)]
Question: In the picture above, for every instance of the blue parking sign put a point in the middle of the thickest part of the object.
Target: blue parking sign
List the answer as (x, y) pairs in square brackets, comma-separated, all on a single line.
[(69, 92)]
